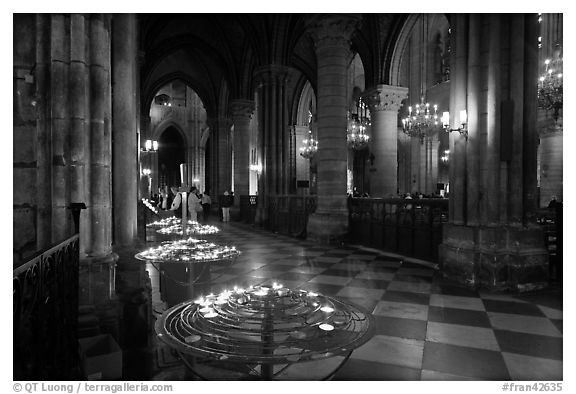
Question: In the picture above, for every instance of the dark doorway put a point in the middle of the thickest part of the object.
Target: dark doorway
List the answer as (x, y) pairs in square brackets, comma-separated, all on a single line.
[(171, 153)]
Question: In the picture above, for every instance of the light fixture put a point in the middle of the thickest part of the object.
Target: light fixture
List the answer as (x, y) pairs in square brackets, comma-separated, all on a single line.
[(309, 147), (358, 125), (146, 171), (463, 130), (150, 146), (445, 157), (421, 120), (256, 168), (550, 85)]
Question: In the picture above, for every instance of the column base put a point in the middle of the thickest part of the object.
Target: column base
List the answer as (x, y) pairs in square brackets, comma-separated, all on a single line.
[(327, 228), (495, 258)]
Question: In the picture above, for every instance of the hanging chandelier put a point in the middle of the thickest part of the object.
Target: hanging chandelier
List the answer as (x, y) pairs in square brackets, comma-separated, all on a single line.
[(550, 86), (358, 125), (422, 120), (310, 146)]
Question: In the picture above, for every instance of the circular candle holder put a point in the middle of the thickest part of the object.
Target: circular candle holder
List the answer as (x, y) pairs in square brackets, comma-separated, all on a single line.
[(194, 256), (189, 250), (265, 326), (193, 228)]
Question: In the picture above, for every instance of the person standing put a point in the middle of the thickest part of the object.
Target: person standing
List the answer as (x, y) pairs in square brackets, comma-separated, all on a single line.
[(176, 205), (206, 206), (163, 205), (194, 204), (226, 204)]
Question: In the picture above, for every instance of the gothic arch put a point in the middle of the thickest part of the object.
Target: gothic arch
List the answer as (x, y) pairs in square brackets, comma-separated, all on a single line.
[(164, 125), (401, 44)]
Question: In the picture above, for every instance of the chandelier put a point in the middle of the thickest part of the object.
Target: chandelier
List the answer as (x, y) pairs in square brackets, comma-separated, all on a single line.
[(550, 86), (358, 125), (310, 147), (421, 121)]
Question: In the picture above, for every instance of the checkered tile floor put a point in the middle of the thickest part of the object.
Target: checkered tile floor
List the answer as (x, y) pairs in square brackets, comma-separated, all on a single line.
[(426, 327)]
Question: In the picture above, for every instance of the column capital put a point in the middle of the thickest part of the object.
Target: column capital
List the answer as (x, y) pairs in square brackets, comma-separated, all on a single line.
[(271, 73), (385, 97), (242, 109), (215, 124), (332, 29)]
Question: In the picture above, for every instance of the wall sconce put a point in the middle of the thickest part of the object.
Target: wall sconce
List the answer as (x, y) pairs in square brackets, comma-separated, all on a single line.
[(256, 168), (446, 156), (146, 171), (150, 146), (463, 130)]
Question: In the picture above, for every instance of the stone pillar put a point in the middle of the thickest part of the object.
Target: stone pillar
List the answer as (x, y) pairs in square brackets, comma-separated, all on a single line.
[(273, 134), (493, 242), (125, 129), (331, 35), (242, 111), (434, 176), (99, 240), (222, 172), (384, 102), (551, 157), (60, 123)]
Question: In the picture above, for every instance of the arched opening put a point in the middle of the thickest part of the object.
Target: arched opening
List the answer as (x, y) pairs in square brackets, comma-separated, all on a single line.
[(171, 153)]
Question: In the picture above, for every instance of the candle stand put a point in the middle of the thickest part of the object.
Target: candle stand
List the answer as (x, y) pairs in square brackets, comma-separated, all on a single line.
[(266, 329)]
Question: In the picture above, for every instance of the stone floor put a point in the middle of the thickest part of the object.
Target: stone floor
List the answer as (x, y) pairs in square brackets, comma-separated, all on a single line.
[(427, 328)]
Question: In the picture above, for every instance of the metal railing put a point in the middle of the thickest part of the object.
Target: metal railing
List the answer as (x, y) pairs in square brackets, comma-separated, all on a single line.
[(248, 205), (408, 227), (288, 214), (45, 314), (551, 220)]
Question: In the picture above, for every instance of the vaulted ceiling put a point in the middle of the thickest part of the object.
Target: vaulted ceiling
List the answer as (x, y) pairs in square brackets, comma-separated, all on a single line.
[(210, 51)]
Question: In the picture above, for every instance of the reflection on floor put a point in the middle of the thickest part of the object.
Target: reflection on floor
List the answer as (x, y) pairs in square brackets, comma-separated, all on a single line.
[(426, 327)]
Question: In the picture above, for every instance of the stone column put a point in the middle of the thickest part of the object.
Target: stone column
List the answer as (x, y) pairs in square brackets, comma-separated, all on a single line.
[(100, 237), (493, 242), (59, 117), (222, 155), (331, 35), (434, 176), (384, 102), (125, 128), (242, 111), (551, 157), (273, 134)]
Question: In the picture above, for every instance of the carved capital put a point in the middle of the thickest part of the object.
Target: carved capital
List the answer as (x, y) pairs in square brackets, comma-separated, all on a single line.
[(271, 74), (385, 98), (242, 109), (219, 123), (329, 30)]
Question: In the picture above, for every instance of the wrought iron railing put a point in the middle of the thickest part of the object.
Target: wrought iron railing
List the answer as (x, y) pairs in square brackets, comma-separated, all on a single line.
[(551, 221), (248, 205), (408, 227), (288, 214), (45, 314)]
